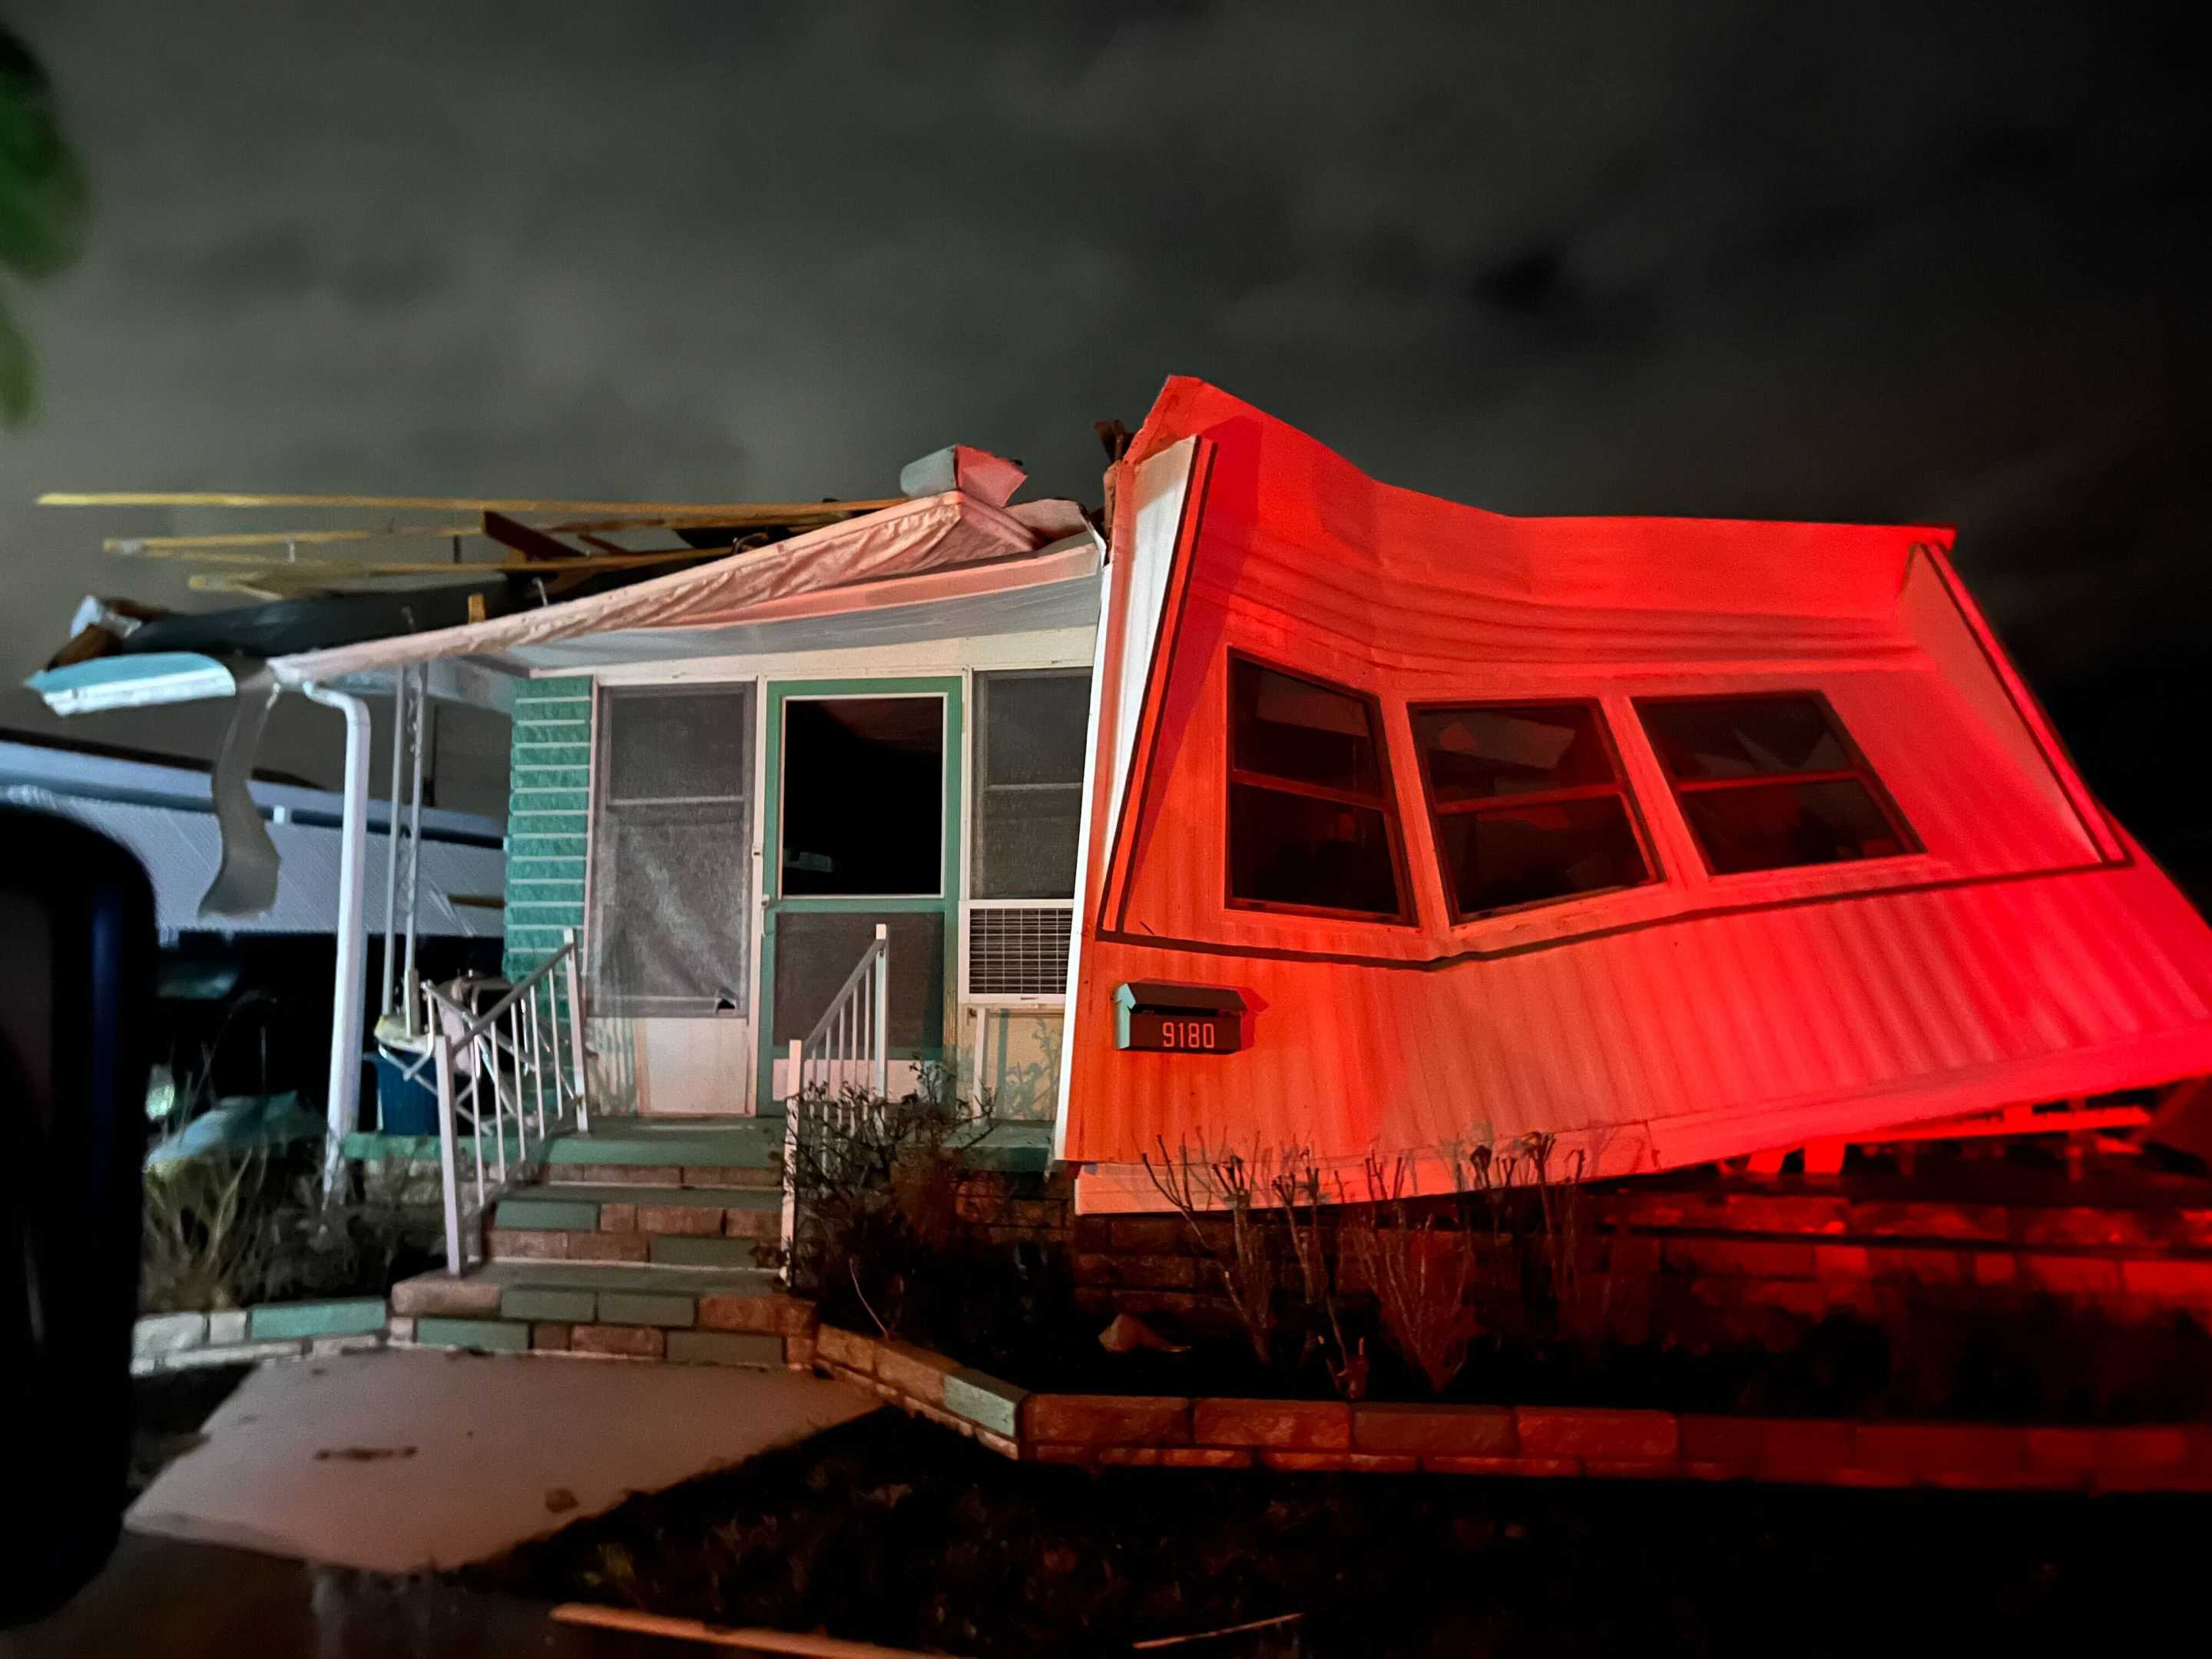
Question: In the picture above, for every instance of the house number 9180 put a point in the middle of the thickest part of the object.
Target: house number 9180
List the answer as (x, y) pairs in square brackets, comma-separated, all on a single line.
[(1182, 1034), (1188, 1034)]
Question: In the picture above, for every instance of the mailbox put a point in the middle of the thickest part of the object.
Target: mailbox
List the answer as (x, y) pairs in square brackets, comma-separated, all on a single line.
[(1160, 1017)]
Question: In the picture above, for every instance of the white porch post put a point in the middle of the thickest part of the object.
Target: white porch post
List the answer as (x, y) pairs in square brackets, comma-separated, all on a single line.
[(347, 1002)]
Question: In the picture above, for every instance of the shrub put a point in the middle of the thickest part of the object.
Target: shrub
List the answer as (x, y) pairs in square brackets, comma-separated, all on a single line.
[(1422, 1272), (876, 1183), (227, 1229), (207, 1243), (1247, 1270)]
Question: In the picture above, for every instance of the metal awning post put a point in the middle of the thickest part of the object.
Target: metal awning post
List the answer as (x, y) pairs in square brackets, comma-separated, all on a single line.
[(417, 719), (392, 987), (350, 984)]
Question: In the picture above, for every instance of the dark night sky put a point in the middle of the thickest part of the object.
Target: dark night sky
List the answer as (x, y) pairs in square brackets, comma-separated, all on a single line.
[(1904, 263)]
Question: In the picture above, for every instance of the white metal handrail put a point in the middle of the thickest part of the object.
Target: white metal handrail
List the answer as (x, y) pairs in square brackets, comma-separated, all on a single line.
[(848, 1050), (497, 1067)]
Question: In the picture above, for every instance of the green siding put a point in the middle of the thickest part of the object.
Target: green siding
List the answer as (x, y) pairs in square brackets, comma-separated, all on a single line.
[(548, 818), (359, 1317)]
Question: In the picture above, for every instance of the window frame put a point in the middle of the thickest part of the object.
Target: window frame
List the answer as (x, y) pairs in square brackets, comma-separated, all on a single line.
[(1859, 771), (979, 787), (602, 805), (1623, 785), (1387, 802)]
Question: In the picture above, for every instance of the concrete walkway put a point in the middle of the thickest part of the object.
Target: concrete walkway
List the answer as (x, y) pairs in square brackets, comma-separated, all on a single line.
[(402, 1460)]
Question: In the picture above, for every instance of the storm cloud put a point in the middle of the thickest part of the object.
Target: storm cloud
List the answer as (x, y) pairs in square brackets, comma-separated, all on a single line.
[(1902, 263)]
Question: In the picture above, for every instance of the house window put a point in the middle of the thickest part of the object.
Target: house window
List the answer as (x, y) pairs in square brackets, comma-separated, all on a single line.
[(1311, 822), (1030, 731), (1527, 803), (1772, 783), (672, 852)]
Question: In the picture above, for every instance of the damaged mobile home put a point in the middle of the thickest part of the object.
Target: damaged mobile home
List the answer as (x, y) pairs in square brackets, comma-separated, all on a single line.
[(1291, 808)]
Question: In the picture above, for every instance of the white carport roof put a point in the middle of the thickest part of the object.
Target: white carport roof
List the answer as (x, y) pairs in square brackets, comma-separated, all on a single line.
[(876, 580), (855, 578)]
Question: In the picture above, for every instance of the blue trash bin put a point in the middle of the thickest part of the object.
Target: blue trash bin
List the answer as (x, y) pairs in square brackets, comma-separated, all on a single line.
[(405, 1105)]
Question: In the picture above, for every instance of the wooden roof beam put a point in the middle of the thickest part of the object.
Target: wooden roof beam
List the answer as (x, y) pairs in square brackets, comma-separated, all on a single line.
[(730, 512)]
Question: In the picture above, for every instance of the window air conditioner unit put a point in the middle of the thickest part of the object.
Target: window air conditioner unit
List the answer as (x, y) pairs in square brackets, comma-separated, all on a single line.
[(1013, 952)]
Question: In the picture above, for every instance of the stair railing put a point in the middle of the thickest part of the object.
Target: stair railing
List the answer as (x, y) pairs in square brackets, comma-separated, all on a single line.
[(836, 1071), (513, 1073)]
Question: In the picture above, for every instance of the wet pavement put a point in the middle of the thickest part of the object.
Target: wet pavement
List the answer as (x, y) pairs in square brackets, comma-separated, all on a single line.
[(162, 1599)]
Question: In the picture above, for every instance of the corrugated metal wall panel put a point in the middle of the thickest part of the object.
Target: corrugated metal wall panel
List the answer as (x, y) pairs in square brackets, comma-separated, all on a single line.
[(2011, 958), (1848, 1013)]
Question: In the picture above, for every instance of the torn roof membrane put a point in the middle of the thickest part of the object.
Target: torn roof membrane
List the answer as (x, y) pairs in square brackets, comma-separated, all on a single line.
[(810, 571)]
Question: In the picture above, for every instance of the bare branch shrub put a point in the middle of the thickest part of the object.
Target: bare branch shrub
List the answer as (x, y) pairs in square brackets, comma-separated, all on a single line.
[(1542, 1275), (1193, 1185), (1316, 1246), (1423, 1273)]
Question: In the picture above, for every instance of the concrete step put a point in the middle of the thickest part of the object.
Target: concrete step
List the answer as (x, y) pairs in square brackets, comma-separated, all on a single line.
[(700, 1316)]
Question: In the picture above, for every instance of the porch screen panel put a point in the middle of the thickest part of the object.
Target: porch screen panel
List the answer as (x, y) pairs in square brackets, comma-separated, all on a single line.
[(672, 852), (1029, 730), (815, 950)]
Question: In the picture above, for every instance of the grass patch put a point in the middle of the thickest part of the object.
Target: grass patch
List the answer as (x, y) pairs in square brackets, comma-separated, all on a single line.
[(896, 1532)]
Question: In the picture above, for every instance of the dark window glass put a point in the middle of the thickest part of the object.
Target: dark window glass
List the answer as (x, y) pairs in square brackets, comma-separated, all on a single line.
[(1525, 854), (1303, 732), (1772, 783), (1745, 737), (1029, 730), (863, 808), (1527, 803), (1773, 826), (1528, 748), (1310, 820), (1296, 849)]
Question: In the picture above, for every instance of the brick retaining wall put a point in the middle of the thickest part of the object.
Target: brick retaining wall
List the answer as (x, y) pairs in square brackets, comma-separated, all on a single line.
[(1730, 1264), (1548, 1442), (240, 1336)]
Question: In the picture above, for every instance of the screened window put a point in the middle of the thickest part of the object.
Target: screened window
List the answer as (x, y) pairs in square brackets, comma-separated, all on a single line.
[(1029, 732), (672, 852), (1772, 783), (1311, 825), (1528, 804)]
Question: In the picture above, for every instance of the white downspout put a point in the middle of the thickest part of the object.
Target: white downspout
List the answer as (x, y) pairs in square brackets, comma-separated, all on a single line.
[(347, 1009)]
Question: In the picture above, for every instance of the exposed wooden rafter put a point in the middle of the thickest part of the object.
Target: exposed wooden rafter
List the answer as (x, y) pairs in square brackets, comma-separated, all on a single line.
[(534, 544), (732, 513)]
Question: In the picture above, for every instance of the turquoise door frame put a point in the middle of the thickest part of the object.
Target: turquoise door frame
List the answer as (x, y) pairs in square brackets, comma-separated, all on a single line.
[(947, 900)]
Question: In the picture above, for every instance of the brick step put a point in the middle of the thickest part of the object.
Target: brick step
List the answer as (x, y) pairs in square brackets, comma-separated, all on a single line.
[(716, 1318), (672, 1226)]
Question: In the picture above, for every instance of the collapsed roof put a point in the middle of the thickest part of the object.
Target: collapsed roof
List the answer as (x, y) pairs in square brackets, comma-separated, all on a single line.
[(532, 617)]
